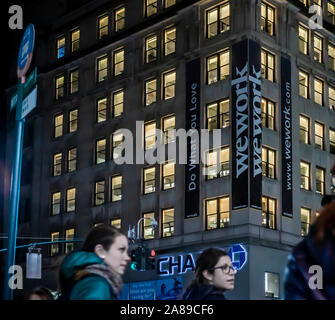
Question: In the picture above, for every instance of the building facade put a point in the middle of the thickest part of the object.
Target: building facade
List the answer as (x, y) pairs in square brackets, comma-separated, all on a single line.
[(147, 65)]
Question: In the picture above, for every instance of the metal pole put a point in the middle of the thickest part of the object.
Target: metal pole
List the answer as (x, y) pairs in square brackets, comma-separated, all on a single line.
[(15, 194)]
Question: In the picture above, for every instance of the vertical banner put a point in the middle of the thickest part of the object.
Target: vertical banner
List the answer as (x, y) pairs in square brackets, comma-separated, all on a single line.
[(192, 167), (240, 123), (286, 137), (255, 125)]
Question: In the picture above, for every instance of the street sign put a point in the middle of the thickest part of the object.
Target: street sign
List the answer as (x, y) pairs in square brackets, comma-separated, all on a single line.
[(238, 255), (30, 82), (13, 101), (26, 51), (29, 103)]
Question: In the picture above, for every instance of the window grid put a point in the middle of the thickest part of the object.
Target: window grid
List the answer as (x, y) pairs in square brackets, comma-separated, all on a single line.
[(305, 182), (318, 49), (268, 65), (150, 92), (101, 110), (151, 49), (320, 180), (167, 223), (168, 170), (116, 188), (59, 92), (268, 114), (120, 17), (218, 20), (60, 47), (118, 103), (217, 213), (71, 200), (304, 131), (169, 123), (73, 120), (55, 205), (169, 85), (149, 135), (269, 210), (72, 160), (150, 7), (54, 248), (169, 41), (331, 93), (118, 62), (303, 84), (268, 19), (319, 136), (149, 180), (75, 40), (69, 235), (58, 128), (318, 92), (117, 139), (213, 156), (332, 141), (218, 66), (305, 220), (100, 151), (148, 232), (331, 11), (303, 40), (74, 81), (99, 193), (269, 162), (217, 115), (331, 56), (57, 164), (103, 26), (102, 65)]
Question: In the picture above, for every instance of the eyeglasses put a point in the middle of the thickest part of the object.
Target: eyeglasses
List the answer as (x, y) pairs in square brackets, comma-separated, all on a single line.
[(226, 269)]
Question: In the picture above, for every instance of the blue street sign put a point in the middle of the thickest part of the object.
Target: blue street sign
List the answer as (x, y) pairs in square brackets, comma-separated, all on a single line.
[(238, 255), (29, 103), (26, 46)]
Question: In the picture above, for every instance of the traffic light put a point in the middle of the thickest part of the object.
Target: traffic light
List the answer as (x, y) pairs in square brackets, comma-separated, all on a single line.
[(150, 259), (135, 260)]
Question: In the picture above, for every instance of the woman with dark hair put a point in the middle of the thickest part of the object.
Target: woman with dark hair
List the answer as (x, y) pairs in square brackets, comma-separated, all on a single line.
[(40, 293), (95, 272), (214, 274), (317, 249)]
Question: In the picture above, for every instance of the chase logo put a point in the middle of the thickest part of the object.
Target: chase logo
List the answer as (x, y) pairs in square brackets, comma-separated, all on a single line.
[(238, 255)]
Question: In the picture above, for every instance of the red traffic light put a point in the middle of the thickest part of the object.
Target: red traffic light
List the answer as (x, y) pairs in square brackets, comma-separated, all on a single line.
[(152, 252)]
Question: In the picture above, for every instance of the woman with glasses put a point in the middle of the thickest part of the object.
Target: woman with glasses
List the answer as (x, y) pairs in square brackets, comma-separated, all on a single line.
[(214, 274)]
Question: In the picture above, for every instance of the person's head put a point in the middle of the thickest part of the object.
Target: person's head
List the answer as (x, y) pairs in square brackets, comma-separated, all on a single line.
[(325, 222), (109, 244), (214, 267), (40, 293)]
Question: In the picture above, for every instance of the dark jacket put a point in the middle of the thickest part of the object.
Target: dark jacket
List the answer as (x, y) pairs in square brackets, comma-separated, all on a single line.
[(80, 283), (203, 292), (306, 254)]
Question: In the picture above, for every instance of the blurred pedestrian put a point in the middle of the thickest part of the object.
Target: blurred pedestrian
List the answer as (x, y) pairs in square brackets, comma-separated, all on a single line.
[(40, 293), (95, 272), (214, 274), (316, 249)]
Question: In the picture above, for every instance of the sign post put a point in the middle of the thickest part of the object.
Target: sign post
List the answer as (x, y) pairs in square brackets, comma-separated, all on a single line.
[(24, 61)]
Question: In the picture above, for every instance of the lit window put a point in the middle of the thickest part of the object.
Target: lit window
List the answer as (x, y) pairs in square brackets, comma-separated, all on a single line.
[(217, 115), (169, 41), (118, 62), (75, 40), (57, 164), (150, 7), (320, 180), (331, 56), (100, 151), (305, 221), (118, 102), (318, 3), (169, 3), (268, 19), (149, 135), (318, 49), (149, 180), (169, 123), (319, 136), (71, 200), (305, 182), (148, 231), (117, 140), (103, 26), (269, 162), (60, 47), (332, 141), (217, 163), (116, 223), (54, 248), (73, 120), (150, 92), (167, 222), (268, 65), (58, 128), (271, 284), (217, 213), (217, 67), (69, 235), (99, 193), (331, 11), (168, 175), (303, 40), (318, 92), (59, 92), (304, 2), (331, 92), (120, 16), (102, 69), (55, 205), (218, 20), (150, 49), (72, 160), (304, 129), (269, 212), (303, 84), (268, 114), (169, 85), (74, 81), (101, 110), (116, 188)]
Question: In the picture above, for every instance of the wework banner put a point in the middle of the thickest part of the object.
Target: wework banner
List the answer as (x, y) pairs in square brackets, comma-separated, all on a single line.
[(192, 168), (286, 137), (246, 125)]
